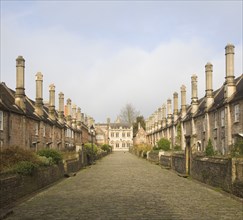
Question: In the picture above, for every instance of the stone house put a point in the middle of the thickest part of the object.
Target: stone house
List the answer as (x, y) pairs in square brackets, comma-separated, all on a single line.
[(217, 116), (118, 135), (33, 124), (140, 136)]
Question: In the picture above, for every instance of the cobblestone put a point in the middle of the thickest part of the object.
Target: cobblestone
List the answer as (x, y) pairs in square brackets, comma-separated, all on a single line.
[(122, 186)]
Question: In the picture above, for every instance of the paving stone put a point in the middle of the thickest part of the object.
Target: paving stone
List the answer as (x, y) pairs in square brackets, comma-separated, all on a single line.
[(122, 186)]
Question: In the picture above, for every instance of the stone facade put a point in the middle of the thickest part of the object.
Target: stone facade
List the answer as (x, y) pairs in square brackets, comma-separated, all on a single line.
[(140, 136), (217, 116), (33, 124), (118, 135)]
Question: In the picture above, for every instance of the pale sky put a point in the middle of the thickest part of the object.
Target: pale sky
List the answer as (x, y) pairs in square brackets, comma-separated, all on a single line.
[(105, 54)]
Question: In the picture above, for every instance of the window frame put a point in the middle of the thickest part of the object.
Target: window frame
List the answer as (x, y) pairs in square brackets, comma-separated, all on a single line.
[(236, 113)]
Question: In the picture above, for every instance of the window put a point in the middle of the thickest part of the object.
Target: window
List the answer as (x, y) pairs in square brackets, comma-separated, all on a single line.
[(123, 144), (68, 133), (128, 134), (1, 120), (237, 113), (36, 129), (123, 134), (112, 134), (215, 120), (222, 118), (117, 145), (128, 144), (117, 134)]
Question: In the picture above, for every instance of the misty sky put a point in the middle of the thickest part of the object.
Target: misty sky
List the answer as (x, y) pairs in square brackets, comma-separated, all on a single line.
[(104, 54)]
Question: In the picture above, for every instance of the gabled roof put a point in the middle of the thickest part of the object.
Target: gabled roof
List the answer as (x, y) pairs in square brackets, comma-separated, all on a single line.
[(7, 103), (118, 125), (7, 100)]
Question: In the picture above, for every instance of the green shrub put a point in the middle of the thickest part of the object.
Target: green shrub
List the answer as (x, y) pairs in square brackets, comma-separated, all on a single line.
[(46, 161), (88, 149), (163, 144), (25, 168), (12, 155), (51, 153), (106, 147), (209, 149)]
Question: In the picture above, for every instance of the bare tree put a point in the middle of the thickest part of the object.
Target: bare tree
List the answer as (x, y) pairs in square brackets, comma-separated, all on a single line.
[(128, 114)]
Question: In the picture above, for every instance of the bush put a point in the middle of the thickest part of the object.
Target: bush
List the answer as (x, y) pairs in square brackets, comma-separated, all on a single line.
[(88, 149), (163, 144), (25, 168), (106, 147), (209, 149), (46, 161), (51, 153), (13, 155)]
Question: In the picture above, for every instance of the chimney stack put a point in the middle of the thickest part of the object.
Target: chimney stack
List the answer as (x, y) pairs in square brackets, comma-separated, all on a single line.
[(82, 117), (69, 117), (79, 118), (183, 101), (230, 87), (169, 111), (61, 108), (175, 97), (20, 93), (52, 102), (74, 125), (160, 117), (163, 115), (194, 98), (39, 94), (209, 85)]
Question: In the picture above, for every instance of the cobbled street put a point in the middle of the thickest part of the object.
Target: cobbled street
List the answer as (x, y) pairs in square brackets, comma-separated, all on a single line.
[(122, 186)]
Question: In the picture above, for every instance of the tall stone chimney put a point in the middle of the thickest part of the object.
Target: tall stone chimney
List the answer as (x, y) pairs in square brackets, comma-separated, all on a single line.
[(139, 126), (209, 85), (20, 78), (169, 111), (163, 115), (160, 117), (39, 94), (69, 112), (61, 108), (230, 87), (79, 118), (175, 98), (194, 101), (183, 101), (82, 117), (52, 102), (74, 117)]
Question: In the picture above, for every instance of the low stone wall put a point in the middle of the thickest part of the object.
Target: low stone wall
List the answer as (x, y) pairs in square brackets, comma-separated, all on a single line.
[(72, 165), (165, 160), (179, 163), (237, 187), (153, 157), (213, 171), (239, 169), (13, 186)]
